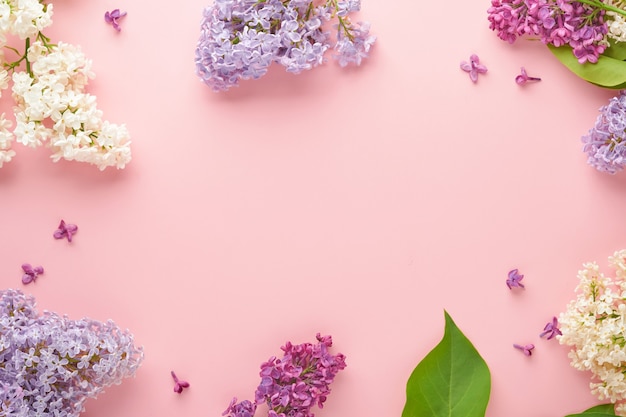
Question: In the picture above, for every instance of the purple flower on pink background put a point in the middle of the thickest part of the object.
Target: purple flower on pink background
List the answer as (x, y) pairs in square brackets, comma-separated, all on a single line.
[(523, 78), (514, 279), (244, 408), (65, 230), (113, 17), (473, 67), (526, 349), (179, 384), (30, 273), (551, 329)]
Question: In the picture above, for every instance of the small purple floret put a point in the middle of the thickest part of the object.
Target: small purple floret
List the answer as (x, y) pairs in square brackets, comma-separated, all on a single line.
[(526, 349), (179, 384), (65, 230), (514, 279), (552, 329), (113, 17), (523, 78), (473, 67), (30, 273)]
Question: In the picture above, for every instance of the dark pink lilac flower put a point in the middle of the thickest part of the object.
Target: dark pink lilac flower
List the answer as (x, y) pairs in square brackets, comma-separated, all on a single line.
[(65, 230), (113, 17), (526, 349), (523, 78), (473, 67), (30, 273), (551, 329), (179, 384), (514, 279)]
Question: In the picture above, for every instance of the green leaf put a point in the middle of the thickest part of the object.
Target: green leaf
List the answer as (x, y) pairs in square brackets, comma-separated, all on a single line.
[(602, 408), (585, 414), (608, 72), (616, 50), (453, 380)]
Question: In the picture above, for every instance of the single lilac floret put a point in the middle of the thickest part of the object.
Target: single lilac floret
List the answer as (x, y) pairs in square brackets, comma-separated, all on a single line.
[(526, 349), (473, 67), (514, 279), (551, 329), (30, 273), (605, 144), (65, 230), (523, 78), (179, 384), (113, 18)]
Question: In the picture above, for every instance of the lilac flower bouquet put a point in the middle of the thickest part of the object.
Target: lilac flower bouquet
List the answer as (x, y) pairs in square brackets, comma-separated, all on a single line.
[(293, 385), (50, 365), (240, 39)]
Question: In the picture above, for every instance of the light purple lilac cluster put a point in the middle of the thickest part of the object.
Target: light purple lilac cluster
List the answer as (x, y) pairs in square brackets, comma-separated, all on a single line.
[(605, 144), (49, 365), (240, 39), (293, 385), (555, 22)]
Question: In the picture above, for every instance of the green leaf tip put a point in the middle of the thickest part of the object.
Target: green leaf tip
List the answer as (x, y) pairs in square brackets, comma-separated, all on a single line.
[(608, 72), (452, 380)]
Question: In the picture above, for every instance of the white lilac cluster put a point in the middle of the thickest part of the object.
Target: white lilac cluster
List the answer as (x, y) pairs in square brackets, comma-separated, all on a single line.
[(240, 39), (51, 105), (50, 365), (594, 326)]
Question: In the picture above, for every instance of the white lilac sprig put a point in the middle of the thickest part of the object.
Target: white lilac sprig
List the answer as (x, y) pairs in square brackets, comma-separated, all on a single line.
[(593, 325), (240, 39), (605, 144), (51, 105), (295, 383), (50, 365)]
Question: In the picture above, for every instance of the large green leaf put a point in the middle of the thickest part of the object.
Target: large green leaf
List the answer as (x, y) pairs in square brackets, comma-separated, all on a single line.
[(608, 72), (603, 410), (453, 380)]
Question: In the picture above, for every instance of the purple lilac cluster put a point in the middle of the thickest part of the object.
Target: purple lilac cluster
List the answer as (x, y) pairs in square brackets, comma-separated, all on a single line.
[(555, 22), (49, 365), (605, 144), (293, 385), (240, 39)]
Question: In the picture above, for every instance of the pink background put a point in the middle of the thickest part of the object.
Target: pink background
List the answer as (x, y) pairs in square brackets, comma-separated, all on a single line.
[(359, 203)]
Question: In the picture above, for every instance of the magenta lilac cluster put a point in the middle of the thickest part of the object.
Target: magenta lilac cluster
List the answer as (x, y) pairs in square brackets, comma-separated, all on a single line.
[(605, 144), (240, 39), (293, 385), (50, 365), (555, 22)]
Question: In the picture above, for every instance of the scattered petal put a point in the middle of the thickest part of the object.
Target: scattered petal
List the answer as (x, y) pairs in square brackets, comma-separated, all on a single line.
[(551, 329), (30, 273), (65, 230), (179, 384), (473, 67), (523, 78), (514, 279), (527, 349), (113, 17)]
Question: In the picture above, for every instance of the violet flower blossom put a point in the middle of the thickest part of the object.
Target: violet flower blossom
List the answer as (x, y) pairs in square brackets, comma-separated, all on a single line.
[(514, 279), (523, 78), (30, 273), (473, 67), (526, 349), (605, 144), (551, 329), (50, 365), (113, 18), (65, 230), (179, 384)]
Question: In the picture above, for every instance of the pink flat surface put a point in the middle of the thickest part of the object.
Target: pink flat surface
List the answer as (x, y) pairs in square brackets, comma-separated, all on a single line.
[(359, 203)]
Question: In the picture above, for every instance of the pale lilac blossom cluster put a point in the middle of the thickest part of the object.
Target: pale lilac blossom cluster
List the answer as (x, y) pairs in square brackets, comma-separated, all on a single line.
[(50, 365), (594, 326), (605, 144), (555, 22), (240, 39), (292, 385), (51, 105)]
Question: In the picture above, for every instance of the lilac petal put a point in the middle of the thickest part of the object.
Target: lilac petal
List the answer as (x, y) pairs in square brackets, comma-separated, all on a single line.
[(474, 59), (108, 18), (466, 66), (27, 279), (39, 270), (473, 76), (480, 68), (28, 269)]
